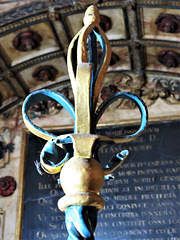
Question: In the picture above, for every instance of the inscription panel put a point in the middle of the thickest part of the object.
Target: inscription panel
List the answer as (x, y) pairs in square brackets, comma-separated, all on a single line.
[(142, 203)]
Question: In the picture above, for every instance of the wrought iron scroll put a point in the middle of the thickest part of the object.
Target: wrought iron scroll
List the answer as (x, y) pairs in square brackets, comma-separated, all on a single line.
[(81, 174)]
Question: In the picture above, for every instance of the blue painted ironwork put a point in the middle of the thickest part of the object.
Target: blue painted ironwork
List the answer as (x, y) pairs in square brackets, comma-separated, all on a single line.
[(42, 95), (133, 98), (81, 220)]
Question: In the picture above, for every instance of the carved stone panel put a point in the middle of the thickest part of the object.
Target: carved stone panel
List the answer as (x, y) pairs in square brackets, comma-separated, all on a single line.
[(2, 220), (7, 93), (112, 21), (32, 75), (168, 23), (169, 58), (141, 203), (27, 41), (45, 73), (120, 58), (155, 25), (6, 146), (162, 59), (46, 45)]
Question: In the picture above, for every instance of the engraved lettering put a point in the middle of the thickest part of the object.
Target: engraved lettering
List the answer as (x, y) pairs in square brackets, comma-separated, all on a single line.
[(173, 170), (43, 201), (170, 178), (42, 217), (125, 197), (103, 224), (118, 182), (152, 137), (139, 188), (144, 180), (131, 205), (110, 190), (126, 189), (158, 196), (128, 223), (42, 186), (149, 171), (141, 203), (158, 213)]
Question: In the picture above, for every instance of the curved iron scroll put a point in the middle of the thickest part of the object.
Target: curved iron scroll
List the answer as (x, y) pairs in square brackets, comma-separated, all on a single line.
[(82, 201)]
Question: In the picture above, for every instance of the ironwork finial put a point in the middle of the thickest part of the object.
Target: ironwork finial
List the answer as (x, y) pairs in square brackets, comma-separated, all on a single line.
[(81, 174)]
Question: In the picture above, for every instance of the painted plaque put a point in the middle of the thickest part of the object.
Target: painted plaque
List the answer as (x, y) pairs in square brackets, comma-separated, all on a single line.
[(142, 203)]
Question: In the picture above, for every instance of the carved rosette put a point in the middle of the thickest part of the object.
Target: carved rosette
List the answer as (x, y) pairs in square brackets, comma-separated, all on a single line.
[(114, 58), (105, 23), (45, 73), (169, 58), (27, 41), (168, 23), (108, 91), (7, 186)]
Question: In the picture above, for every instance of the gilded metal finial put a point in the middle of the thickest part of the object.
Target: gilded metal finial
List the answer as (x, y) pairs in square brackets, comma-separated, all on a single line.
[(81, 174)]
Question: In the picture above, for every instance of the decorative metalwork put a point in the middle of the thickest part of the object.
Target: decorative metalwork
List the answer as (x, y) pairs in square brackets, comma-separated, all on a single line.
[(81, 174), (46, 107)]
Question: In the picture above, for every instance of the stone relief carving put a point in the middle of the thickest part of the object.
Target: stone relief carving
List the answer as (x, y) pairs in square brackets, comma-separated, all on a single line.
[(2, 219), (114, 58), (6, 146), (105, 23), (171, 89), (45, 73), (7, 186), (44, 108), (168, 23), (1, 99), (27, 41), (20, 12), (166, 89), (169, 58), (30, 9)]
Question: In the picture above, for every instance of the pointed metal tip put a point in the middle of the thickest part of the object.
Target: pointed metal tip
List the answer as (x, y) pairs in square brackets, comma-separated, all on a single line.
[(92, 15)]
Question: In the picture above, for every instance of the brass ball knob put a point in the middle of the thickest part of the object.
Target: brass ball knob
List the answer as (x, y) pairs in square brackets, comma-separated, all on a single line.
[(82, 175)]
